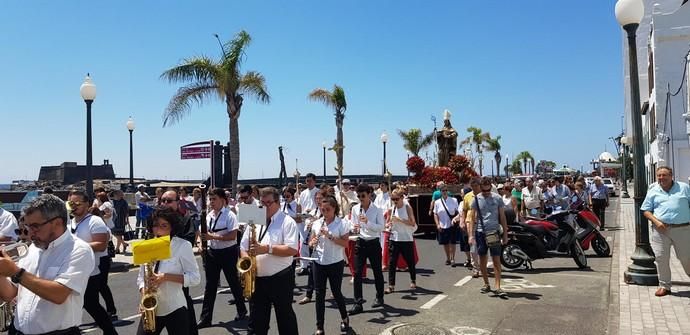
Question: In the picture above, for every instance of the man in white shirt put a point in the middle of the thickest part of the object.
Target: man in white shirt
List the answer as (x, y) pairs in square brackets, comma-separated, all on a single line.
[(383, 198), (8, 226), (531, 199), (53, 301), (307, 202), (91, 229), (368, 223), (276, 245), (221, 255)]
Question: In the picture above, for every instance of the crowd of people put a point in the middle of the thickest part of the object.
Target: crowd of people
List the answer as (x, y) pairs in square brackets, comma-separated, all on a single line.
[(311, 231)]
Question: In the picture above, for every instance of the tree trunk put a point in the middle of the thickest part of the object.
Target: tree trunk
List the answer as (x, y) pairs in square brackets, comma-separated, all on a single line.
[(481, 166), (497, 157), (234, 143), (524, 165), (340, 146)]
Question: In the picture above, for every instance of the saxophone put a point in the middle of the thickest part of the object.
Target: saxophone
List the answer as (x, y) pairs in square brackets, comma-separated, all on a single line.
[(16, 251), (149, 301), (246, 267)]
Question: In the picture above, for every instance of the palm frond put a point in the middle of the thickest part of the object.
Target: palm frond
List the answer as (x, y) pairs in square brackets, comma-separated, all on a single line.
[(427, 140), (235, 50), (323, 96), (200, 69), (182, 101), (339, 98), (254, 84)]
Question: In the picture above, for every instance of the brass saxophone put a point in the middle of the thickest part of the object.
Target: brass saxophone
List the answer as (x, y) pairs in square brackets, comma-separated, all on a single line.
[(149, 301), (16, 251), (246, 267)]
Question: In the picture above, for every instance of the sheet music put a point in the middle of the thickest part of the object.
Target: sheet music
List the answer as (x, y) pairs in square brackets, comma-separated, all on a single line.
[(247, 213)]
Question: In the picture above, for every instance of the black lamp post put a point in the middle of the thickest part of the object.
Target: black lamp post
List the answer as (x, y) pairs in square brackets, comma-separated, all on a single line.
[(130, 127), (323, 144), (624, 154), (642, 270), (384, 140), (88, 93)]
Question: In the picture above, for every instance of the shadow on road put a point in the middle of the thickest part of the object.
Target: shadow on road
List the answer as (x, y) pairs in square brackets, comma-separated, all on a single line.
[(550, 270), (521, 295)]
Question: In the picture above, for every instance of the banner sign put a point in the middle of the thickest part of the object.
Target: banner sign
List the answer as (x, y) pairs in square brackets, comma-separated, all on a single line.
[(199, 150)]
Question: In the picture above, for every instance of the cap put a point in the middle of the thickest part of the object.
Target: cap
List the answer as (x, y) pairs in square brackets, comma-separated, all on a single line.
[(346, 181), (500, 186), (141, 185)]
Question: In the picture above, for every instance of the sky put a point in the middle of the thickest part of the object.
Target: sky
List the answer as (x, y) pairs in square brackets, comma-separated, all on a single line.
[(547, 76)]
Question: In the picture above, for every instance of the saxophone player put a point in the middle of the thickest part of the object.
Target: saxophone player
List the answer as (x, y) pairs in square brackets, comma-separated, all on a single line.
[(170, 275), (51, 303), (276, 245)]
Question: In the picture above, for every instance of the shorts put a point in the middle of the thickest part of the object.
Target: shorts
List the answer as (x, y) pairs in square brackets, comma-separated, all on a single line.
[(447, 236), (483, 248), (463, 240)]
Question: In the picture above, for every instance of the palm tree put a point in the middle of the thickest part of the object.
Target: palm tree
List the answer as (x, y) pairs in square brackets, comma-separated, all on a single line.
[(414, 141), (336, 100), (477, 138), (515, 167), (524, 156), (494, 144), (209, 79)]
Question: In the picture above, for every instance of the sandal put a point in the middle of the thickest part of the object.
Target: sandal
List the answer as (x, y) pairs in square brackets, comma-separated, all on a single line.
[(305, 300), (389, 290), (413, 286)]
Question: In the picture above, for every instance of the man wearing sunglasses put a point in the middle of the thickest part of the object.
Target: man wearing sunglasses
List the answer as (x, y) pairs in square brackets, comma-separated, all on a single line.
[(91, 229), (52, 301), (8, 226)]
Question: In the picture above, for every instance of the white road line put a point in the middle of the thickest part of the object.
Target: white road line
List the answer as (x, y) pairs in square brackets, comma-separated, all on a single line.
[(463, 281), (435, 300), (136, 316)]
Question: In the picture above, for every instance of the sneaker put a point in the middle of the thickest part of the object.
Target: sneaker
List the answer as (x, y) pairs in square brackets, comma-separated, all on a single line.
[(485, 289), (447, 262), (501, 293), (378, 302), (475, 274), (468, 264)]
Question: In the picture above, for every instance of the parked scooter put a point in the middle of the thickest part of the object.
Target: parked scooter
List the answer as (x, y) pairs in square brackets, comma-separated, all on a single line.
[(588, 233), (538, 238)]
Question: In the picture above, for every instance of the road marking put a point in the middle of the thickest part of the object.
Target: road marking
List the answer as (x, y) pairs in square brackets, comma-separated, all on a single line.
[(521, 284), (463, 281), (435, 300), (136, 316)]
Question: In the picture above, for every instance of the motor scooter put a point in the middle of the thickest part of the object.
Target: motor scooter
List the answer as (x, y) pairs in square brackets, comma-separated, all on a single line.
[(588, 232), (537, 238)]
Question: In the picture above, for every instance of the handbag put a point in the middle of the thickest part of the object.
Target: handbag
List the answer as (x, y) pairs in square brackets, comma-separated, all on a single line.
[(129, 234), (111, 249), (492, 237)]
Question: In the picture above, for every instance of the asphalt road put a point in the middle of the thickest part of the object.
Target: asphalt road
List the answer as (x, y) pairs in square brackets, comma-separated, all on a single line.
[(553, 298)]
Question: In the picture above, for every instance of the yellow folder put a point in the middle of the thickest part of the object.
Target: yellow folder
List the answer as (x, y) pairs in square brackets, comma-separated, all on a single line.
[(152, 250)]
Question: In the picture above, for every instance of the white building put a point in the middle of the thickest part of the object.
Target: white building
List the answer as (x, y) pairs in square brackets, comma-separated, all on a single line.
[(663, 43)]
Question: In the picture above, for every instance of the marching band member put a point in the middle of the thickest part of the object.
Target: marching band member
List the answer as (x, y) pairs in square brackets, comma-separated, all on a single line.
[(276, 245), (315, 213), (367, 219), (289, 205), (50, 303), (222, 255), (92, 229), (402, 225), (307, 202), (171, 275), (328, 238)]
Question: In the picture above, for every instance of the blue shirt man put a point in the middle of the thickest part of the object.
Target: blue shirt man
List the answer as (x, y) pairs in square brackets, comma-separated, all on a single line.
[(670, 207)]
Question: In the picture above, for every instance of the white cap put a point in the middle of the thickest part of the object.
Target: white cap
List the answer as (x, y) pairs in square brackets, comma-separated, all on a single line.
[(141, 185), (346, 181)]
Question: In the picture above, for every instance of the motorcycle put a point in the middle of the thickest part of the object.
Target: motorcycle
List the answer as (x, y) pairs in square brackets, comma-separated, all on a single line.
[(588, 233), (537, 238)]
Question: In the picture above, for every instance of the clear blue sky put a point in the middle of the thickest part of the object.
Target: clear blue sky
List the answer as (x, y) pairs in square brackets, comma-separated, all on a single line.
[(545, 75)]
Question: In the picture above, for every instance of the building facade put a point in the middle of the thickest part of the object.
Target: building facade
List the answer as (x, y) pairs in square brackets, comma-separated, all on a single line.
[(71, 173)]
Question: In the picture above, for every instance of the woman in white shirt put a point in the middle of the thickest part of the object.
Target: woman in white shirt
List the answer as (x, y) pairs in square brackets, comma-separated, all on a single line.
[(170, 275), (329, 236), (402, 225)]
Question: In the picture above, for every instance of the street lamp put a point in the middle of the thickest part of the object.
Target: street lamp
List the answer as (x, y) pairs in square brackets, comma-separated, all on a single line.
[(507, 164), (130, 127), (384, 139), (88, 93), (624, 152), (642, 270), (323, 144)]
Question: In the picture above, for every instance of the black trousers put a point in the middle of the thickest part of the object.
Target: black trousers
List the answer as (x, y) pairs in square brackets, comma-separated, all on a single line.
[(334, 274), (368, 249), (105, 292), (68, 331), (274, 290), (175, 323), (190, 312), (407, 250), (599, 208), (93, 306), (225, 260)]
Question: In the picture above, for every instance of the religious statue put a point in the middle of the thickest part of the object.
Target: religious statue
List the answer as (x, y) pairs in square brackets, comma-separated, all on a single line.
[(447, 140)]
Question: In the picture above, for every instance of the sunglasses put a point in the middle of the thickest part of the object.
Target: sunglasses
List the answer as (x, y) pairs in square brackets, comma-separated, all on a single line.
[(21, 231), (361, 195), (167, 200), (74, 203)]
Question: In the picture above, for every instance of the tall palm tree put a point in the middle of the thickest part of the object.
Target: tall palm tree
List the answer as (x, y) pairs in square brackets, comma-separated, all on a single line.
[(209, 79), (477, 138), (524, 156), (414, 141), (494, 144), (336, 100)]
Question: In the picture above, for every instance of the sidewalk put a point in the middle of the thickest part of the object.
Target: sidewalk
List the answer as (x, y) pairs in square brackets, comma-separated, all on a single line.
[(641, 312)]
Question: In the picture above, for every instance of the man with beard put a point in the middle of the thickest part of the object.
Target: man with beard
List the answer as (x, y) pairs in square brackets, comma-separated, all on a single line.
[(52, 302)]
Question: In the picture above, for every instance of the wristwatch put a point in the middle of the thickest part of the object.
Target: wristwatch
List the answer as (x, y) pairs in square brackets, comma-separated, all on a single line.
[(17, 277)]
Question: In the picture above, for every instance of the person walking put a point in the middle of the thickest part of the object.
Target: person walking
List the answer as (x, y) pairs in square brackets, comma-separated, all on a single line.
[(445, 209), (599, 198), (402, 225), (531, 204), (667, 207)]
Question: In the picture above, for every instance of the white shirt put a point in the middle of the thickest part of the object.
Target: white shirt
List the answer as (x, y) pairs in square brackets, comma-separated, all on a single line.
[(290, 209), (68, 261), (138, 196), (383, 201), (531, 199), (107, 207), (375, 223), (181, 262), (85, 229), (401, 232), (326, 251), (281, 231), (222, 224), (8, 224), (307, 199), (443, 219)]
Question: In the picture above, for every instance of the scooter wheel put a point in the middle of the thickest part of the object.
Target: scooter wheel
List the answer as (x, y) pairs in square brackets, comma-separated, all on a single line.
[(578, 255), (508, 260), (601, 246)]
